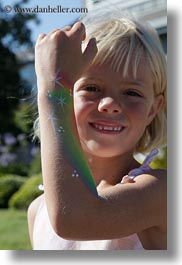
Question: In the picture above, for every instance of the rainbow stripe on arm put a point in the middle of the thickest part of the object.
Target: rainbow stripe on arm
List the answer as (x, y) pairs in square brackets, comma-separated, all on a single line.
[(63, 101)]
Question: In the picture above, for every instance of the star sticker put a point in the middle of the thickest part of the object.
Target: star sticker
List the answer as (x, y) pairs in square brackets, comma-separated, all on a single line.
[(61, 100), (51, 118), (49, 95), (56, 79)]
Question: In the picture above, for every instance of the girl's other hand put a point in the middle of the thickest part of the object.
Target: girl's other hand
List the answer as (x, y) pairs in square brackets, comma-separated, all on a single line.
[(59, 59)]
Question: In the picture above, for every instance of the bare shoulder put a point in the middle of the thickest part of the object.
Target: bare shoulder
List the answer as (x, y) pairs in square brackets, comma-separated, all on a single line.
[(31, 213), (157, 176), (144, 200), (155, 237), (156, 181)]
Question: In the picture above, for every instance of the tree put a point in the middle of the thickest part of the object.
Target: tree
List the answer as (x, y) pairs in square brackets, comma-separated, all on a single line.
[(15, 35)]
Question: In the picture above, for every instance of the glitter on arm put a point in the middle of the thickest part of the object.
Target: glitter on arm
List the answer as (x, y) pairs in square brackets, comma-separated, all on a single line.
[(52, 119), (56, 79), (71, 146)]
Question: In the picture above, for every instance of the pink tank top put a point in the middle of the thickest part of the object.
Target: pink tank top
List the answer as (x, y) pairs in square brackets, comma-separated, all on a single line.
[(44, 237)]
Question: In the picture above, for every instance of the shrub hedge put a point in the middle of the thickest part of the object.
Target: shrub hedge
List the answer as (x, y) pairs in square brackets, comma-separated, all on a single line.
[(9, 184), (27, 193)]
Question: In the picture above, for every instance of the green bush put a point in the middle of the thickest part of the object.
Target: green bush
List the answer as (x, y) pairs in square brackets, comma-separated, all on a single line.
[(14, 169), (9, 184), (35, 167), (27, 193)]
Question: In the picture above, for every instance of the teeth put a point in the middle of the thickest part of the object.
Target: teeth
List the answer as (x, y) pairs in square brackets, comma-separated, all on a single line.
[(108, 128)]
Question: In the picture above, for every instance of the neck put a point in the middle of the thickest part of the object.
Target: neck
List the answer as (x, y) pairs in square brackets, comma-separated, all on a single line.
[(111, 169)]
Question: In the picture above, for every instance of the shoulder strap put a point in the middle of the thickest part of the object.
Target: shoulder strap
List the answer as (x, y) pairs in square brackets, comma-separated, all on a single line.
[(144, 167)]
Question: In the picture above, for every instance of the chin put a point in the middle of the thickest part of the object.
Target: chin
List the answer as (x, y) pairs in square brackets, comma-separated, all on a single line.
[(102, 152)]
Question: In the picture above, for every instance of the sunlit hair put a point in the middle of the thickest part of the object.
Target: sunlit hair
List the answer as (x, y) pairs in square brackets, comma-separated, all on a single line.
[(127, 42)]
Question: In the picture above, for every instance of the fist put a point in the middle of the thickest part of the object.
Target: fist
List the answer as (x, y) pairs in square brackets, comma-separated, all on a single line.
[(59, 59)]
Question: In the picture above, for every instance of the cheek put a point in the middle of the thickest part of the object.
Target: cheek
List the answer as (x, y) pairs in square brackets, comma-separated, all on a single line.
[(82, 108), (78, 110), (136, 110)]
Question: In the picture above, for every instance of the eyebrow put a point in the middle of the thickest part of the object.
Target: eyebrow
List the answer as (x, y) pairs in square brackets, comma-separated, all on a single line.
[(135, 82), (90, 78)]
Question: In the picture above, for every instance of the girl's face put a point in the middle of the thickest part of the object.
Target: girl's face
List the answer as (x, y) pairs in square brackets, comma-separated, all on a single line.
[(111, 111)]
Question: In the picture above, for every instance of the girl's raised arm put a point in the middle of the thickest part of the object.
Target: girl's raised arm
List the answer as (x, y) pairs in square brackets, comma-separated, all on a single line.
[(74, 207), (59, 62)]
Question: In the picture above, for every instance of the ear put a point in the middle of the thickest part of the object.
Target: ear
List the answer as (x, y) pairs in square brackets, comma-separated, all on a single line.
[(156, 106)]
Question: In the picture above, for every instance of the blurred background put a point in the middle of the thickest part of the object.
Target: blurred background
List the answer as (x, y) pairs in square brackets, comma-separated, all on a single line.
[(21, 21)]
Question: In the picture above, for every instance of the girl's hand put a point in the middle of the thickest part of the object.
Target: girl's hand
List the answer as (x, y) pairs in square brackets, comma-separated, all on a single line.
[(59, 59)]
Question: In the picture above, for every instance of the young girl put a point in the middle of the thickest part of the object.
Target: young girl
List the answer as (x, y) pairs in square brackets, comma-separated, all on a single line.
[(101, 99)]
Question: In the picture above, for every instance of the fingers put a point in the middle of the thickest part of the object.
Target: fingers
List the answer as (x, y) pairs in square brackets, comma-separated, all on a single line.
[(41, 36), (76, 32), (79, 31), (128, 179), (90, 51), (57, 31), (53, 32), (67, 28)]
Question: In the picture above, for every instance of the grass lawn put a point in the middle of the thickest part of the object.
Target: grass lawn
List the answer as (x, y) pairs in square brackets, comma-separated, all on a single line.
[(14, 230)]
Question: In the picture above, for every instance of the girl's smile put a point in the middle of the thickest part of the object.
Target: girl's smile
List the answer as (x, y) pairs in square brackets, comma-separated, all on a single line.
[(107, 127)]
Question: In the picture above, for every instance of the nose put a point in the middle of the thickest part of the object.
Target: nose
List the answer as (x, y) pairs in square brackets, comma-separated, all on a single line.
[(109, 105)]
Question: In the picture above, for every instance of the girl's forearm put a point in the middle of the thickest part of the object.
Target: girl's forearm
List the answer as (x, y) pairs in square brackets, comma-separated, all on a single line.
[(68, 183)]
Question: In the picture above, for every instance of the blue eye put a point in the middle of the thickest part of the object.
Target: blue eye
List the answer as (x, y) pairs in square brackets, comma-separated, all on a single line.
[(91, 88), (132, 94)]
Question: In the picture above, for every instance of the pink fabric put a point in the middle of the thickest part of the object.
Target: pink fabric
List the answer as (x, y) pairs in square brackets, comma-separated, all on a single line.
[(44, 238)]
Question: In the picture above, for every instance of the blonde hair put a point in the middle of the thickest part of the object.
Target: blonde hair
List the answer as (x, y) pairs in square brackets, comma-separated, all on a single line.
[(124, 40)]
